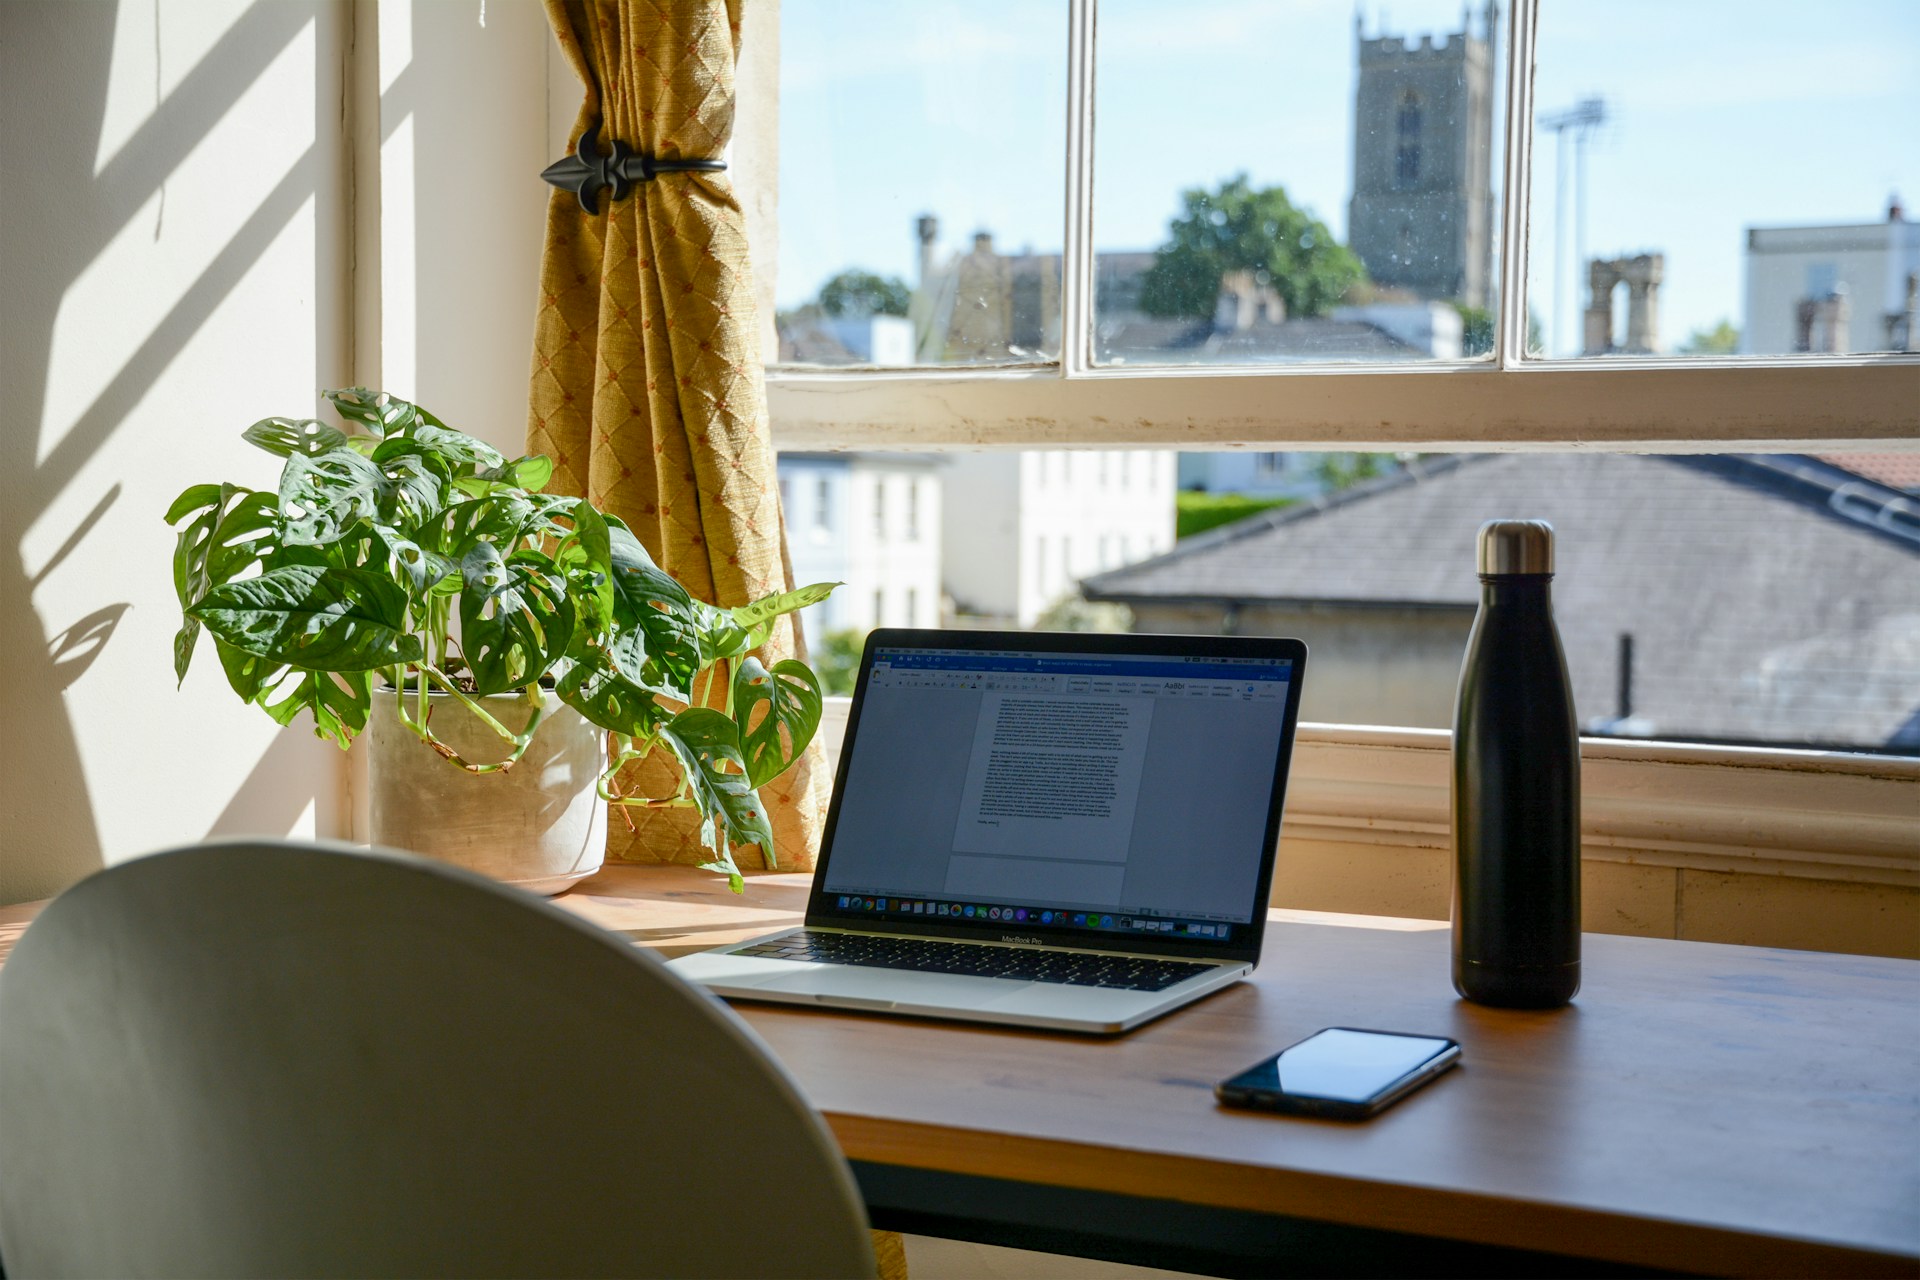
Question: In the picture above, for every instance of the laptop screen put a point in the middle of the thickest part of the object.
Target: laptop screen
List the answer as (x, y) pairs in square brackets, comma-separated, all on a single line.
[(1063, 791)]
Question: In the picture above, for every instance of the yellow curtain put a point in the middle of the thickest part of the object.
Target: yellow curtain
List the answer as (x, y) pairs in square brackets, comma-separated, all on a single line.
[(647, 382)]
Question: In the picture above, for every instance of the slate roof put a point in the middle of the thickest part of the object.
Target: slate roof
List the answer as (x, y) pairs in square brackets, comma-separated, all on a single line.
[(1764, 601)]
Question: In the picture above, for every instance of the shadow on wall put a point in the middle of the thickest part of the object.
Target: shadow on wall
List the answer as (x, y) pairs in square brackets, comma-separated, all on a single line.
[(58, 216), (264, 804)]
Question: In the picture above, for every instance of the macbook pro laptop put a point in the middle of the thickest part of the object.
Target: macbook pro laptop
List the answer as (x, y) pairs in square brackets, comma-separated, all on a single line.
[(1069, 830)]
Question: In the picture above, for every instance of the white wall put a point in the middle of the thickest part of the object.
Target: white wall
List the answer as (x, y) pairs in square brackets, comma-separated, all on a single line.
[(1023, 528), (814, 505), (980, 524), (177, 232), (171, 270), (464, 114), (893, 571)]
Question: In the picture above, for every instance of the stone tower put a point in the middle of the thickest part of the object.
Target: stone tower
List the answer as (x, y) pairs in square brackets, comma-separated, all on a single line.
[(1422, 212)]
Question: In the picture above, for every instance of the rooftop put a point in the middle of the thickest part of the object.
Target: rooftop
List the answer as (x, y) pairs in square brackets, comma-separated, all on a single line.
[(1771, 598)]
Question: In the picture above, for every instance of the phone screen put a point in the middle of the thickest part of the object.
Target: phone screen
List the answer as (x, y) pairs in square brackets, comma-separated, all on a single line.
[(1343, 1065)]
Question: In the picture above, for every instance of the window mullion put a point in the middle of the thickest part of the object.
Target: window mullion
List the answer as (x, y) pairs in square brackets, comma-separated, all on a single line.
[(1510, 347), (1076, 259)]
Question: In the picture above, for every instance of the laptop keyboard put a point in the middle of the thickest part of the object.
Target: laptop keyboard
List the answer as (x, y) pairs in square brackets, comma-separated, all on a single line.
[(928, 955)]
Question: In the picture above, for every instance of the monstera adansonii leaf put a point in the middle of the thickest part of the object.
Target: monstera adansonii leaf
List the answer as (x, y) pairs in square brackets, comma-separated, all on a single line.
[(318, 618), (706, 743), (790, 694), (516, 618)]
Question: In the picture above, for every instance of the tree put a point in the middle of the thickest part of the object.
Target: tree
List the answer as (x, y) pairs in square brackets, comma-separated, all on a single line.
[(1721, 340), (1339, 471), (862, 293), (1238, 228), (1476, 330)]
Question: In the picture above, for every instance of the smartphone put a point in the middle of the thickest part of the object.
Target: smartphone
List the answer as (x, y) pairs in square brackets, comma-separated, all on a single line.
[(1341, 1073)]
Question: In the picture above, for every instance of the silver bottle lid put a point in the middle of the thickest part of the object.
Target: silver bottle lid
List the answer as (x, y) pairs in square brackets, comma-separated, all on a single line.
[(1516, 546)]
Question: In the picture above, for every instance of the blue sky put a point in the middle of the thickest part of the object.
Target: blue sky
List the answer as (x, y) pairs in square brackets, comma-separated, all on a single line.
[(1724, 114)]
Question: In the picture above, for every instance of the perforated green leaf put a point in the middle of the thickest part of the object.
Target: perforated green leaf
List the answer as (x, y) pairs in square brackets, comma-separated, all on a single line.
[(585, 554), (758, 617), (315, 618), (192, 549), (411, 565), (777, 712), (596, 689), (417, 489), (499, 519), (456, 449), (656, 640), (707, 745), (288, 436), (516, 618), (322, 497), (338, 701), (378, 412)]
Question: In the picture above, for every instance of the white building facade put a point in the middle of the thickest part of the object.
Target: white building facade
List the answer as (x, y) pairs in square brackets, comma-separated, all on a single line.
[(1833, 289), (871, 521), (1024, 527)]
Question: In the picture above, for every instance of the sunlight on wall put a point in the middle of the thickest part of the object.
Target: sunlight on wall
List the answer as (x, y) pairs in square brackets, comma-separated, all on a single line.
[(169, 281)]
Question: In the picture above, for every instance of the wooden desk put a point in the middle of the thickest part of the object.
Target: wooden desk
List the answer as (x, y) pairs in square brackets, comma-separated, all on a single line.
[(1700, 1108)]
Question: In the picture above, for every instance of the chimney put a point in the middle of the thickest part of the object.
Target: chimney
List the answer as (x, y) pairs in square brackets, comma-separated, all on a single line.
[(927, 227)]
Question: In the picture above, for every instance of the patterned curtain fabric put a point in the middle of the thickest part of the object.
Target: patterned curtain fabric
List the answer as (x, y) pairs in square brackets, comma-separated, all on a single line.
[(647, 383)]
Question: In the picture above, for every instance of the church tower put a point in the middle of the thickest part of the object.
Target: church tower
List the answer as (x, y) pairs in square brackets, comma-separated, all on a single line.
[(1422, 212)]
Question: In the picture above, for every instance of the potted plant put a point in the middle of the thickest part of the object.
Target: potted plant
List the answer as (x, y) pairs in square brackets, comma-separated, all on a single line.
[(414, 578)]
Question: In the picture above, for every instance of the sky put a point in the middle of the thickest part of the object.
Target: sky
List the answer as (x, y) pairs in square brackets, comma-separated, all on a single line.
[(1722, 115)]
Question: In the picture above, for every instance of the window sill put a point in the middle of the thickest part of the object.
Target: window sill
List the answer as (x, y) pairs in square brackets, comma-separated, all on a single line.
[(1815, 815), (1663, 406)]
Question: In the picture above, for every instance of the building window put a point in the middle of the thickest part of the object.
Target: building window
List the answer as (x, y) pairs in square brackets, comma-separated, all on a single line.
[(880, 607), (913, 510), (822, 504), (1407, 125), (879, 507), (1406, 164), (913, 607)]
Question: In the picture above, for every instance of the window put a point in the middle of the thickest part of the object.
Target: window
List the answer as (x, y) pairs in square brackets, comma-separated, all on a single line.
[(879, 507), (913, 513), (1406, 155), (823, 504), (1684, 369)]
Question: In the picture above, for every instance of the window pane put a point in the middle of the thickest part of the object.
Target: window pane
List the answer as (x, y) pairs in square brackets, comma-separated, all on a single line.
[(1764, 599), (922, 181), (1276, 184), (1723, 176)]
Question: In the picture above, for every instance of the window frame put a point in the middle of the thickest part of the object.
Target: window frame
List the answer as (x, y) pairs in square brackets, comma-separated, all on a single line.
[(1510, 401), (1719, 809)]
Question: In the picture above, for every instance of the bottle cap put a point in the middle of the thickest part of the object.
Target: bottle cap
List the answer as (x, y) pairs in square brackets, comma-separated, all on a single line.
[(1516, 546)]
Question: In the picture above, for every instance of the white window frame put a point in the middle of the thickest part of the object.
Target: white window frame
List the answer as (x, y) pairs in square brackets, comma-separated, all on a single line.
[(1695, 405), (1823, 815)]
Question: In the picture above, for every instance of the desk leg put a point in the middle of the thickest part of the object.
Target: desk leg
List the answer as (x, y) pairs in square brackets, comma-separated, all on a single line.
[(1179, 1237)]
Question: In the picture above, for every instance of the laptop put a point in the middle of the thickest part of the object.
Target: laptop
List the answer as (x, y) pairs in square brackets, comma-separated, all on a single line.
[(1073, 830)]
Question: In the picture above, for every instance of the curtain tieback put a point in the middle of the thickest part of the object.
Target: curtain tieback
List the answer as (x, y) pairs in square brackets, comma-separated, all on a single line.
[(587, 173)]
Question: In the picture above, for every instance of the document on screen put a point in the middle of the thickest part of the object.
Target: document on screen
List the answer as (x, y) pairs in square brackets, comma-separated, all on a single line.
[(1054, 777)]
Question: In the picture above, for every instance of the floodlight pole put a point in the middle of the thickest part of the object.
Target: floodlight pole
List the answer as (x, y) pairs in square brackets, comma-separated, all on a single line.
[(1583, 117)]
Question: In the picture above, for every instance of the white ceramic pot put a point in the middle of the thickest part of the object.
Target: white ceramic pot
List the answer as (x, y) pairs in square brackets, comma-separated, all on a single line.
[(540, 825)]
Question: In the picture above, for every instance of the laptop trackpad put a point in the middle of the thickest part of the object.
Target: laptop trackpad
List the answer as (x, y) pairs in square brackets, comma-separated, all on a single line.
[(895, 986)]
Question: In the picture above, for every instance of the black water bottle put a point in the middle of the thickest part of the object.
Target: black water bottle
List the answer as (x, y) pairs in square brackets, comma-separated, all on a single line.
[(1516, 786)]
